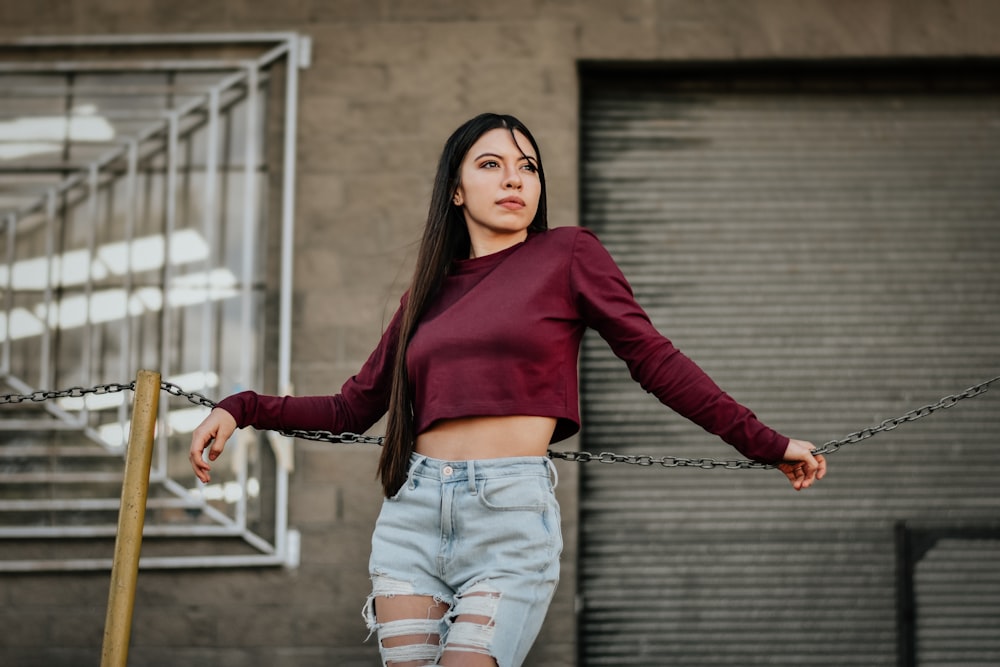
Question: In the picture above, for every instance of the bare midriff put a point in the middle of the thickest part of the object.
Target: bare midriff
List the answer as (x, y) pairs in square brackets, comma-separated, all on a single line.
[(486, 437)]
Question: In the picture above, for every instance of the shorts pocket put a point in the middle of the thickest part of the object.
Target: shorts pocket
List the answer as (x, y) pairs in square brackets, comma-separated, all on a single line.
[(523, 494)]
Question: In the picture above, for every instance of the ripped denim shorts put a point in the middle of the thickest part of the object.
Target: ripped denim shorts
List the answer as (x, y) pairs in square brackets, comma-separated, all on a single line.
[(482, 537)]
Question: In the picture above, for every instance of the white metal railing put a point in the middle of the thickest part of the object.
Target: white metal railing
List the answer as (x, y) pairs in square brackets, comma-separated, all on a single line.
[(147, 253)]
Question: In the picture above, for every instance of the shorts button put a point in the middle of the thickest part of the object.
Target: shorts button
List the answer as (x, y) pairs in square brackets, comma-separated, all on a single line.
[(447, 471)]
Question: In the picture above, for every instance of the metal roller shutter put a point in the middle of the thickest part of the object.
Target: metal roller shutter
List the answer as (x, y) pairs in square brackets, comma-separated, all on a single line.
[(828, 249), (959, 581)]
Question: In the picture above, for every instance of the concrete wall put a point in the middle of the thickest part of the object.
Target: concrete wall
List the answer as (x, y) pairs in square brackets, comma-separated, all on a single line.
[(388, 82)]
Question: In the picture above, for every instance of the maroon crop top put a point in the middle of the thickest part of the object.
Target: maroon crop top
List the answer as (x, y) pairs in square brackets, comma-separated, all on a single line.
[(502, 337)]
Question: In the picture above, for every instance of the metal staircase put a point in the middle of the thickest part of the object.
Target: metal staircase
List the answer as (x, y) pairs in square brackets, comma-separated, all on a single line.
[(137, 179)]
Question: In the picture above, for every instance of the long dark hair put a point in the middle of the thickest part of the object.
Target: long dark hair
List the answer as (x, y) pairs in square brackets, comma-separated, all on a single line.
[(445, 239)]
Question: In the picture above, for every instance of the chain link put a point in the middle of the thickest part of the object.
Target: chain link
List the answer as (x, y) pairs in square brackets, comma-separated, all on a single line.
[(192, 396), (578, 457)]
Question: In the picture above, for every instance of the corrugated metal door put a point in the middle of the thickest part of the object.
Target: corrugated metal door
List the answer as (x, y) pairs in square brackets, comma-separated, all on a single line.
[(828, 249), (949, 595), (960, 581)]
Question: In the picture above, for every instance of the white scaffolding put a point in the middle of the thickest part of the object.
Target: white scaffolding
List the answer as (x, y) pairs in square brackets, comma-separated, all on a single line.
[(137, 176)]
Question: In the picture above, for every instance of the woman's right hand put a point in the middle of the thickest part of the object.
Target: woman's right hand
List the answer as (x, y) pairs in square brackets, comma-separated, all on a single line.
[(211, 434)]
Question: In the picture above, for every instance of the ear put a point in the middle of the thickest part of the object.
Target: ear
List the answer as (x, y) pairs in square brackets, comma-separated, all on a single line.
[(456, 198)]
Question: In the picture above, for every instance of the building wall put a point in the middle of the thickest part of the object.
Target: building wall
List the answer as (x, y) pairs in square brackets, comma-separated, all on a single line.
[(387, 83)]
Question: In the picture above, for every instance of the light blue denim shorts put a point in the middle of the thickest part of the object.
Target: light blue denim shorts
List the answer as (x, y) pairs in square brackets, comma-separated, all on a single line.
[(482, 537)]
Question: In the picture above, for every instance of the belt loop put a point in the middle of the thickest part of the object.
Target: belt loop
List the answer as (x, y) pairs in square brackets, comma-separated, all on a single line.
[(554, 472), (414, 464), (471, 471)]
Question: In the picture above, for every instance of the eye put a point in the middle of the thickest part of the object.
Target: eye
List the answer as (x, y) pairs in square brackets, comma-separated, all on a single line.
[(529, 166), (489, 164)]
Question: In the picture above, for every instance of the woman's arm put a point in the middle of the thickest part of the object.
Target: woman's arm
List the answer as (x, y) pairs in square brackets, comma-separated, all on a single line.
[(362, 401), (607, 304)]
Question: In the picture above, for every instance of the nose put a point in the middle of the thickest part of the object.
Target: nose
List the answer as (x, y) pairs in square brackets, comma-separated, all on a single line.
[(512, 179)]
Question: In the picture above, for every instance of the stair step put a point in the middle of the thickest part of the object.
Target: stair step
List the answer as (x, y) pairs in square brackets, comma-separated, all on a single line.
[(39, 425), (92, 504), (62, 478), (55, 451)]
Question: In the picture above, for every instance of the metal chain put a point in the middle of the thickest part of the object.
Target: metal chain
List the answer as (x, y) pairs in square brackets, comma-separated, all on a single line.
[(326, 436), (72, 392), (579, 457), (912, 415), (826, 448)]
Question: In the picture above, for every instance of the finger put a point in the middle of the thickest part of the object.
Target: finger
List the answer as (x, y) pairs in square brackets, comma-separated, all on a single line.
[(815, 469), (792, 472), (199, 442), (199, 464), (202, 470), (195, 455), (801, 476), (203, 475), (219, 443), (796, 473), (806, 468)]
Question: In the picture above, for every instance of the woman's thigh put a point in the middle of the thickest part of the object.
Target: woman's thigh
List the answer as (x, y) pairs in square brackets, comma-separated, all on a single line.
[(409, 629)]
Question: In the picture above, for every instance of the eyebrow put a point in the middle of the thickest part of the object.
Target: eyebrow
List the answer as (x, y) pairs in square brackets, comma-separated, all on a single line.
[(523, 156)]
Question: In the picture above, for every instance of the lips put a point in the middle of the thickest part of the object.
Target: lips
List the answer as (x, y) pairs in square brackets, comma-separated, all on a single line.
[(512, 203)]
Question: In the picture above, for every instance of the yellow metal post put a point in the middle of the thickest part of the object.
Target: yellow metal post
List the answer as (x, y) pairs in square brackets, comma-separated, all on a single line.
[(131, 517)]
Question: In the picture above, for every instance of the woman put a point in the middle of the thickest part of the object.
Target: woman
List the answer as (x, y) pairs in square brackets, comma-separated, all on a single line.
[(478, 373)]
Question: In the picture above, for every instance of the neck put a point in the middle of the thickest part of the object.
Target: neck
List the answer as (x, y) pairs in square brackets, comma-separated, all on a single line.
[(482, 245)]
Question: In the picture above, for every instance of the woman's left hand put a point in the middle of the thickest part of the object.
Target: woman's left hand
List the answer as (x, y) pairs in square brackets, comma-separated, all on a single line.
[(801, 466)]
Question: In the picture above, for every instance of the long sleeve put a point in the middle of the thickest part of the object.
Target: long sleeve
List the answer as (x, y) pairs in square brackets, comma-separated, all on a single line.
[(362, 400), (607, 304)]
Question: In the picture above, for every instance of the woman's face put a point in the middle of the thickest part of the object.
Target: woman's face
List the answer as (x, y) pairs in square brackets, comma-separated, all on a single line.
[(499, 189)]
